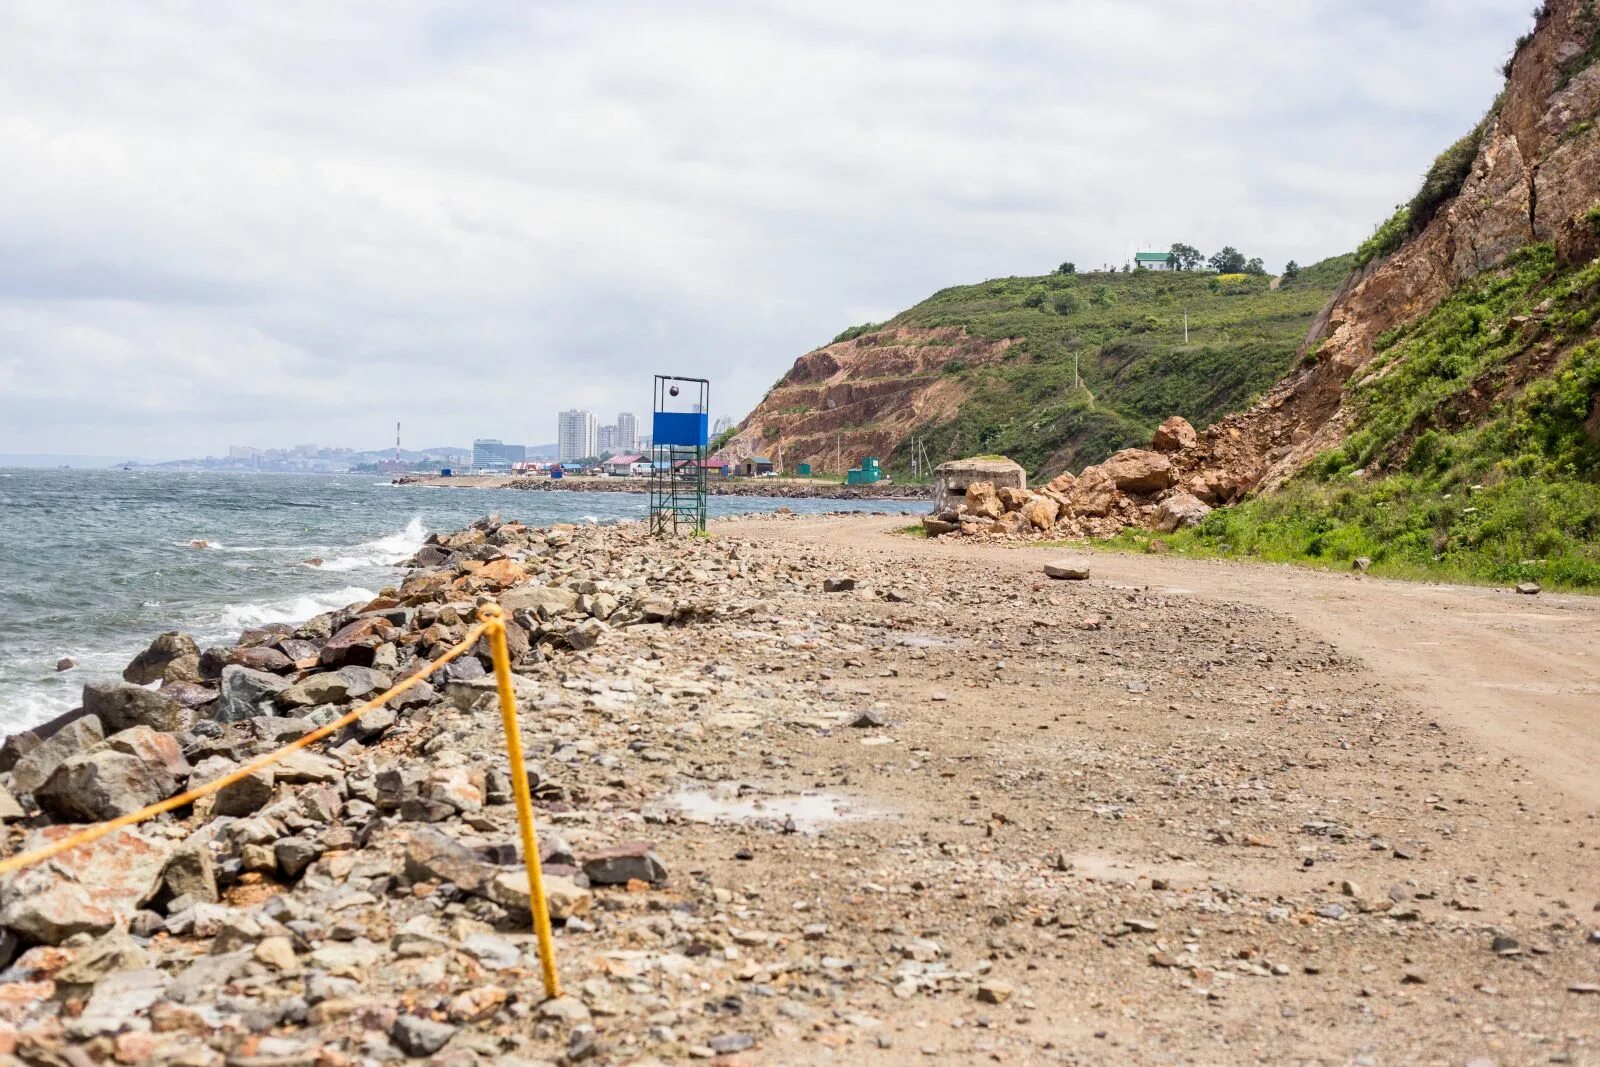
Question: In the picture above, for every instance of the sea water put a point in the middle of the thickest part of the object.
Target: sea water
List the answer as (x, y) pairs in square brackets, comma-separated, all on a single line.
[(93, 564)]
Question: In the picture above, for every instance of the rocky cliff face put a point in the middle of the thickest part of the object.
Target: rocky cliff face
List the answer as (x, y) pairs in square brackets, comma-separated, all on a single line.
[(861, 397), (1535, 174)]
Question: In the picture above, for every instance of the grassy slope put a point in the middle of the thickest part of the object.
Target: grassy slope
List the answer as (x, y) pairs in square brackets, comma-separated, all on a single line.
[(1127, 330), (1496, 487)]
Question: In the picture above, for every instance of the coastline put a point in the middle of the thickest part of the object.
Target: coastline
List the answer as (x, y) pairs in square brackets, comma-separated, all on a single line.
[(784, 488), (750, 754)]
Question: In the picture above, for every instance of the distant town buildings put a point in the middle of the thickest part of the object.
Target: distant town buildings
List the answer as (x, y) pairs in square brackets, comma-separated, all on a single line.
[(606, 439), (490, 453), (627, 432), (577, 436)]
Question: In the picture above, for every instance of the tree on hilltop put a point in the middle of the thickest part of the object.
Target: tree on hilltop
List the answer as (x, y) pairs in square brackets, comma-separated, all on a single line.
[(1291, 271), (1068, 267), (1228, 261), (1187, 257), (1255, 266)]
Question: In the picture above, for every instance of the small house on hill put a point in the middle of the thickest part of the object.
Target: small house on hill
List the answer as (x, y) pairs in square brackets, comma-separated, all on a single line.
[(1154, 261)]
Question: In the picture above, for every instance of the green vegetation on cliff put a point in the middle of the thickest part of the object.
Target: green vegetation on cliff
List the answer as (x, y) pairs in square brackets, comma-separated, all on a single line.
[(1124, 333), (1475, 453)]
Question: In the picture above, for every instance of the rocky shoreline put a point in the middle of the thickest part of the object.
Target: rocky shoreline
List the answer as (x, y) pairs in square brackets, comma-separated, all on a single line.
[(776, 488), (799, 801)]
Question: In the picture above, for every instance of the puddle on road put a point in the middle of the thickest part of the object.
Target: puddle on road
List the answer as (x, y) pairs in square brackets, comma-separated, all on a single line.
[(928, 641), (810, 811)]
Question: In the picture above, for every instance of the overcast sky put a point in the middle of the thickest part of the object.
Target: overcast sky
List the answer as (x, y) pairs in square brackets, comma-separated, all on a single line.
[(273, 223)]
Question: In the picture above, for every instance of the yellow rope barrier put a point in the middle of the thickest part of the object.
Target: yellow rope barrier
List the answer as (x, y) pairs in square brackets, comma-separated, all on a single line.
[(492, 624)]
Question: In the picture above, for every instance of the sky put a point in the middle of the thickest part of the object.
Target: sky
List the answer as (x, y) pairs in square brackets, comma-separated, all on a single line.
[(273, 224)]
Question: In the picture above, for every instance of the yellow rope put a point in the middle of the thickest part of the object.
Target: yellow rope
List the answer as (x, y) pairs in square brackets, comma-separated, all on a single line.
[(96, 832)]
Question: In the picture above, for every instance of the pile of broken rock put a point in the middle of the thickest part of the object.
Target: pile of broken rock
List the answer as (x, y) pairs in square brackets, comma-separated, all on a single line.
[(1135, 487), (294, 895)]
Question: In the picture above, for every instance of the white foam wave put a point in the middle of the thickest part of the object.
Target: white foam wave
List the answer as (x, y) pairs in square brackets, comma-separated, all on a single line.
[(27, 707), (382, 552), (237, 617)]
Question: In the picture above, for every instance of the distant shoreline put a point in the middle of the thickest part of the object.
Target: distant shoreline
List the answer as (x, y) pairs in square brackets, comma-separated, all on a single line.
[(793, 488)]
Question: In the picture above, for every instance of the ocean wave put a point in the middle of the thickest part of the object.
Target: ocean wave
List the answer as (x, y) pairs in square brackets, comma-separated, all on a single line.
[(237, 617), (26, 707)]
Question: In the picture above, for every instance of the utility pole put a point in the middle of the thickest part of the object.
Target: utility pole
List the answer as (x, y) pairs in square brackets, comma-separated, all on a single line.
[(1077, 382), (1186, 324)]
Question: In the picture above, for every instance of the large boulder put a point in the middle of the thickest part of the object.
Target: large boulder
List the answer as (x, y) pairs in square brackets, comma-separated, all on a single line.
[(100, 785), (1179, 511), (121, 774), (1062, 483), (88, 889), (327, 688), (120, 706), (983, 501), (151, 664), (1136, 470), (1094, 494), (244, 693), (1174, 435), (541, 601), (1012, 498), (35, 768), (1041, 512), (261, 658), (357, 642)]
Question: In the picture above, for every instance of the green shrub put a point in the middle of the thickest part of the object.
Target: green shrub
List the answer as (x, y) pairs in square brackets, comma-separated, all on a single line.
[(1067, 302), (1387, 238), (1445, 178), (856, 331)]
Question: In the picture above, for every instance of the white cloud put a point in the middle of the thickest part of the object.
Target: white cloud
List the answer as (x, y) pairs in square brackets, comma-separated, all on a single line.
[(220, 223)]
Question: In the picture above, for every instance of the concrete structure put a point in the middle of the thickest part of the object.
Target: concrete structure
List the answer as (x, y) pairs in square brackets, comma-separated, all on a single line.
[(627, 432), (950, 480), (577, 436)]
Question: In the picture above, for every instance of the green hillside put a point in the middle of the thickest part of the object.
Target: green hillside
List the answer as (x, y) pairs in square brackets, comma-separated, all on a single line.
[(1476, 453), (1126, 332)]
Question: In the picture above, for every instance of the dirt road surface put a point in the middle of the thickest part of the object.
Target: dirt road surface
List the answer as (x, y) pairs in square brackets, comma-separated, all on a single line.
[(1194, 811)]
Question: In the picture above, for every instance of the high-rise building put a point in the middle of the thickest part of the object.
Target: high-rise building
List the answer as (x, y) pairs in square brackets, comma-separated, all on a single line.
[(606, 440), (577, 436), (489, 453), (627, 432)]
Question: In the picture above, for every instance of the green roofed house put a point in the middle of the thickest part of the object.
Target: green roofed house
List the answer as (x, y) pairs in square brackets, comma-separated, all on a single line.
[(1154, 261)]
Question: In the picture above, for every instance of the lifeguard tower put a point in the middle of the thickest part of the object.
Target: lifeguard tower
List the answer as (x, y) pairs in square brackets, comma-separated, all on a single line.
[(679, 433)]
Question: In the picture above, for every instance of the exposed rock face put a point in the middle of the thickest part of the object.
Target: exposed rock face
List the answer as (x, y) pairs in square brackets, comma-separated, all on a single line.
[(862, 397), (1535, 174)]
